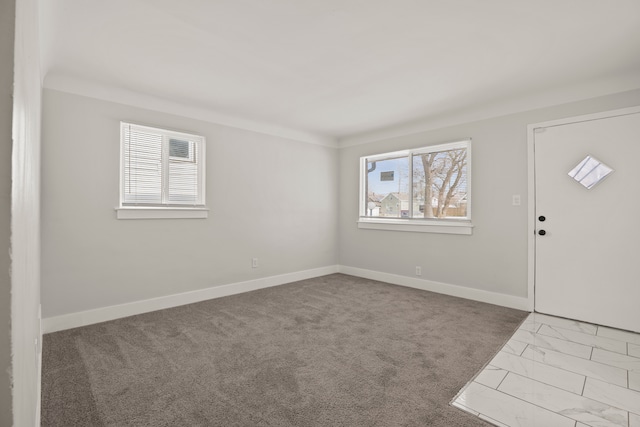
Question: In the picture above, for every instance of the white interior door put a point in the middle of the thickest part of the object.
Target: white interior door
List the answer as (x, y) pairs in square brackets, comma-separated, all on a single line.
[(587, 244)]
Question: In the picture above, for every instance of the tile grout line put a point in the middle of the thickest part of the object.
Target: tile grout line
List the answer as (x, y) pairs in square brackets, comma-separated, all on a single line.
[(542, 336), (562, 337), (574, 322), (585, 397), (565, 354), (549, 410), (556, 387), (531, 403), (491, 420), (533, 347), (503, 378), (538, 328), (538, 380), (586, 377), (523, 350)]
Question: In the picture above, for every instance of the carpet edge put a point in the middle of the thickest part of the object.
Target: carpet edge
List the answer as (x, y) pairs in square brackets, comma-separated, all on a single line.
[(103, 314)]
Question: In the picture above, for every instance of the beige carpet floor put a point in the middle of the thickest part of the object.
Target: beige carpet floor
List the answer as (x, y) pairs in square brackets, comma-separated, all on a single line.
[(331, 351)]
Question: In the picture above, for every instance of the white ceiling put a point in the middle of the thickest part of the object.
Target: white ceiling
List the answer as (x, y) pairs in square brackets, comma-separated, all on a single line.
[(340, 68)]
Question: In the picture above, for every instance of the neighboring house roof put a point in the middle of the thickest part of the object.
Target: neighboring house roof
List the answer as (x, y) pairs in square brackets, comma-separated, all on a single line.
[(373, 197), (400, 196)]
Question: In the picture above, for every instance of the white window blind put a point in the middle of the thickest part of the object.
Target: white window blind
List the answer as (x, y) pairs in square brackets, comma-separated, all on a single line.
[(161, 167)]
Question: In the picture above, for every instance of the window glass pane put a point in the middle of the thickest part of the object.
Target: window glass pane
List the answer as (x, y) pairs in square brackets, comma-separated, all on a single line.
[(181, 149), (440, 184), (388, 186)]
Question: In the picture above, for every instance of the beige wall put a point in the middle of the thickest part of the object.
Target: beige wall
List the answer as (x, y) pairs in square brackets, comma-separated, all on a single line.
[(494, 258), (270, 198), (7, 26)]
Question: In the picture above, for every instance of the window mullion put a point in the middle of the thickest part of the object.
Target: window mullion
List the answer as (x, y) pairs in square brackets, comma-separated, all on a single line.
[(364, 167), (165, 170), (124, 147), (410, 157), (200, 156)]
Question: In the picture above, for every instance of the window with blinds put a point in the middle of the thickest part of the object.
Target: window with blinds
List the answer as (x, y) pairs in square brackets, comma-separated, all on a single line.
[(161, 168)]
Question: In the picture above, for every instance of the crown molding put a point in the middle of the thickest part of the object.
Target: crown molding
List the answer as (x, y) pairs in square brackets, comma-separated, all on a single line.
[(76, 86), (533, 101)]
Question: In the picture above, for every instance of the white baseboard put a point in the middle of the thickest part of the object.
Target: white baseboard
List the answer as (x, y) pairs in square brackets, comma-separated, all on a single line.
[(504, 300), (39, 369), (103, 314)]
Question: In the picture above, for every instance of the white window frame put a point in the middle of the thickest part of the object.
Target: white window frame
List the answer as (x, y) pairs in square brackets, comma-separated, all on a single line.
[(126, 210), (419, 225)]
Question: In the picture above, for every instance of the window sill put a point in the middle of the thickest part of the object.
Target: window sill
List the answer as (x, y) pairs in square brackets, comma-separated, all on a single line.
[(417, 226), (137, 212)]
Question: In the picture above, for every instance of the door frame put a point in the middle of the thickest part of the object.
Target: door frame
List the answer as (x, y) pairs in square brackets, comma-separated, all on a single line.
[(531, 188)]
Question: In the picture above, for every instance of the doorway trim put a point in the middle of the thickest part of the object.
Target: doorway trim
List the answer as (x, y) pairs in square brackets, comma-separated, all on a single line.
[(531, 188)]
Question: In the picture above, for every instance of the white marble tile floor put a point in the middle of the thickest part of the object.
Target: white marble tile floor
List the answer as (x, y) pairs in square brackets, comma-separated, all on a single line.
[(559, 372)]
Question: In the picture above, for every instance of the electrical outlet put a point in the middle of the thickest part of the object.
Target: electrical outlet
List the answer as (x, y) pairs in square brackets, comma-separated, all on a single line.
[(515, 201), (254, 262), (418, 271)]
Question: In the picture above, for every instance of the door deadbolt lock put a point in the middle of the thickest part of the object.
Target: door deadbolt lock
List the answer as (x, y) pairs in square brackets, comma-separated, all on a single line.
[(542, 232), (542, 218)]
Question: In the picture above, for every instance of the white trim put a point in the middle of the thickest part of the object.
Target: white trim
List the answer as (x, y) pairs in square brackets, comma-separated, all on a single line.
[(586, 117), (484, 111), (531, 224), (103, 314), (386, 156), (39, 386), (134, 212), (166, 135), (64, 83), (412, 224), (445, 146), (504, 300), (531, 130), (417, 226), (39, 367)]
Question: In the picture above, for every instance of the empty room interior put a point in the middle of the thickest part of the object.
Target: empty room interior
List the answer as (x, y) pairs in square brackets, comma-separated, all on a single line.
[(320, 213)]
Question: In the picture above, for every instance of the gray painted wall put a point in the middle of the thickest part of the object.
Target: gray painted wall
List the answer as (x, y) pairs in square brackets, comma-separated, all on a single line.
[(494, 258), (7, 27), (270, 198)]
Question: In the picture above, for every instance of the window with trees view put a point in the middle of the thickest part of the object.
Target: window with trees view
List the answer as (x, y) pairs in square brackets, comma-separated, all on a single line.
[(428, 183)]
